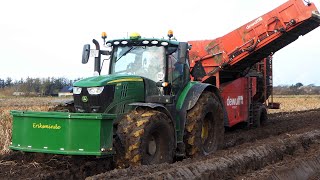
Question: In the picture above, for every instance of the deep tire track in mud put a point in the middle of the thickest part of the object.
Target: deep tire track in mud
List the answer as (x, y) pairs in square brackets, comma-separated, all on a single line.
[(302, 166), (286, 137), (224, 166)]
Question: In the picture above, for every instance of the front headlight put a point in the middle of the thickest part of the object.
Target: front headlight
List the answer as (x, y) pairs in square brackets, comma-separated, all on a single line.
[(77, 90), (95, 90)]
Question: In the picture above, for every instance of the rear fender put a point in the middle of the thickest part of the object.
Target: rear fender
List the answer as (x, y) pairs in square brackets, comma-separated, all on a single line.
[(189, 98)]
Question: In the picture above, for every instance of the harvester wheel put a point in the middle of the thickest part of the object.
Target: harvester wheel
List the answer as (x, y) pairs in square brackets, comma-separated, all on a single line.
[(260, 115), (147, 137), (204, 128)]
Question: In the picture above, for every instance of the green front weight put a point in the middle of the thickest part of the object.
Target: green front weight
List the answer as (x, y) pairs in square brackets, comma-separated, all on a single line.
[(63, 133)]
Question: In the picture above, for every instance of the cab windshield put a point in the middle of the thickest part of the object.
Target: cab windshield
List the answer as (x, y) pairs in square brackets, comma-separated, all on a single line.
[(145, 61)]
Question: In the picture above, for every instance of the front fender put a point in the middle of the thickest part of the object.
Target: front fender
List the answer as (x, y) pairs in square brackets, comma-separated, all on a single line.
[(157, 106)]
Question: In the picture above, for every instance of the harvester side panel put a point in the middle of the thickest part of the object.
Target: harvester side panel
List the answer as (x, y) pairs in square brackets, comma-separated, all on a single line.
[(235, 97)]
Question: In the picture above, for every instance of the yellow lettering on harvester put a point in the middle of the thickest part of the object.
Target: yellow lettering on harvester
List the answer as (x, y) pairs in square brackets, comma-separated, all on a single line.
[(45, 126)]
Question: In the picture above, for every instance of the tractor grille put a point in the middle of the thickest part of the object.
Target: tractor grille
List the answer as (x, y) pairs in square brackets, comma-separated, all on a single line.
[(95, 103)]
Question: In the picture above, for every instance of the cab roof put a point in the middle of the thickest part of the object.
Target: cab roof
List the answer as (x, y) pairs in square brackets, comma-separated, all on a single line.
[(142, 42)]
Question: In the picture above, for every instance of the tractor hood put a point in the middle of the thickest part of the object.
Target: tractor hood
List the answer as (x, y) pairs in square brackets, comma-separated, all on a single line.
[(97, 81)]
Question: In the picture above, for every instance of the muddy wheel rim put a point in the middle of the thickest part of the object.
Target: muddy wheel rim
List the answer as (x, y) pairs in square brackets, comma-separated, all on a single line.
[(152, 146), (205, 130), (208, 133)]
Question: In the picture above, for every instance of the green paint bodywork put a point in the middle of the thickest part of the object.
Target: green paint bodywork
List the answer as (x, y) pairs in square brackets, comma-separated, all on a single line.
[(179, 106), (97, 81), (126, 93), (83, 133), (63, 133), (184, 93), (77, 133)]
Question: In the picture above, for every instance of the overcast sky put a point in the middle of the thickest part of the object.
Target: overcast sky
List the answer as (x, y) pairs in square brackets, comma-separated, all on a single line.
[(45, 38)]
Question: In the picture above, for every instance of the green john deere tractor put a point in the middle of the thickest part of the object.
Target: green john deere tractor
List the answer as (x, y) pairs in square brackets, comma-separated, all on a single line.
[(145, 111)]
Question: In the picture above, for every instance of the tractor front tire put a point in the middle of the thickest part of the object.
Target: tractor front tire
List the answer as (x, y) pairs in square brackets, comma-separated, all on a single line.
[(147, 137), (204, 130)]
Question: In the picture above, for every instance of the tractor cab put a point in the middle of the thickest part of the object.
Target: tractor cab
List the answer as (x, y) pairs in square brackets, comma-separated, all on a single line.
[(162, 63)]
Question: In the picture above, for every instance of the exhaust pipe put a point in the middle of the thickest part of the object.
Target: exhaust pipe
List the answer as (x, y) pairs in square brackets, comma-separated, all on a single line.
[(97, 60)]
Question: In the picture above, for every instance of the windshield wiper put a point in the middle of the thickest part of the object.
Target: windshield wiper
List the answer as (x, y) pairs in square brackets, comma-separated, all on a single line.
[(125, 53)]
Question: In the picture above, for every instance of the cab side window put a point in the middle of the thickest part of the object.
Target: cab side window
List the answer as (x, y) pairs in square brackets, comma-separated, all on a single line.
[(177, 71)]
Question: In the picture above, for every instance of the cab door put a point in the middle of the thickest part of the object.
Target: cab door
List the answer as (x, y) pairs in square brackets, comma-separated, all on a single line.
[(179, 69)]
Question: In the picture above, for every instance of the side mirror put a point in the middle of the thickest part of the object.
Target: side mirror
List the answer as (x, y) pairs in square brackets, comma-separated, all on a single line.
[(85, 53)]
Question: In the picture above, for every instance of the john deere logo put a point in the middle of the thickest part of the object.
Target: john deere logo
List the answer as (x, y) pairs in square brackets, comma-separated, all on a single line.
[(84, 99)]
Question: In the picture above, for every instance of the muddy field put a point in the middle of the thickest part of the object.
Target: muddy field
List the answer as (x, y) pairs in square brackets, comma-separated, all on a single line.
[(287, 147)]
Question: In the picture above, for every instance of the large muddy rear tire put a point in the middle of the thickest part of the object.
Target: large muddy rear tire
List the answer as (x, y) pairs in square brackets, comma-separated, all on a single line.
[(147, 137), (204, 130)]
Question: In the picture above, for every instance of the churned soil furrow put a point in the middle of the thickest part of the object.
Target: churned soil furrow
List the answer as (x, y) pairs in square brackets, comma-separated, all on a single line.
[(18, 165), (285, 140), (303, 166), (226, 164), (279, 123)]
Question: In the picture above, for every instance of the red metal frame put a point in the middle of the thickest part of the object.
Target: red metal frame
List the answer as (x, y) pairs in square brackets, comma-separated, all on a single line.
[(238, 47), (228, 59)]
